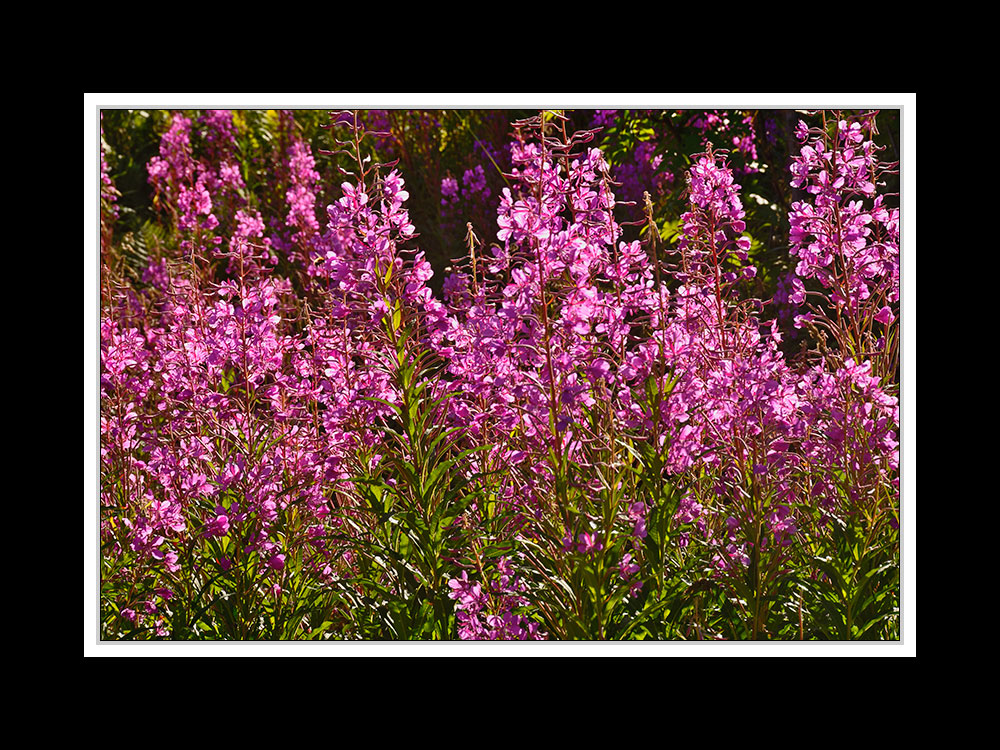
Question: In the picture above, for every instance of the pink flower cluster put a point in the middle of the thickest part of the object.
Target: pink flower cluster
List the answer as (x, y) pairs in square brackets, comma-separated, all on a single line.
[(844, 235), (235, 398), (194, 191), (651, 168), (490, 615)]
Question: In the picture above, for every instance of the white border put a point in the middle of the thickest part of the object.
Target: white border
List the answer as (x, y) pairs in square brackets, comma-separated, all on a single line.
[(95, 101)]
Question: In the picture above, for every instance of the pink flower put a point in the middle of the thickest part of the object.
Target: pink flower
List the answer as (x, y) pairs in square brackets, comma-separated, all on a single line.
[(885, 316), (627, 568), (589, 543)]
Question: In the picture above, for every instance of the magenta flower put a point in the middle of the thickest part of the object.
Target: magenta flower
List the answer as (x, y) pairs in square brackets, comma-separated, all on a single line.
[(589, 544)]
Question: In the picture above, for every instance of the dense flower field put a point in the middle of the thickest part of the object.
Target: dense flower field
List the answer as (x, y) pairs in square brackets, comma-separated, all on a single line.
[(460, 375)]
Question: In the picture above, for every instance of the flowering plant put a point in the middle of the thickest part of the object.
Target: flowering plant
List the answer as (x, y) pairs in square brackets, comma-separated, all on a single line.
[(613, 413)]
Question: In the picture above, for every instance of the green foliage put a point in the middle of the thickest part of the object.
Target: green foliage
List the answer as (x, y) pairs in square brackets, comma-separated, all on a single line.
[(404, 527), (853, 591)]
